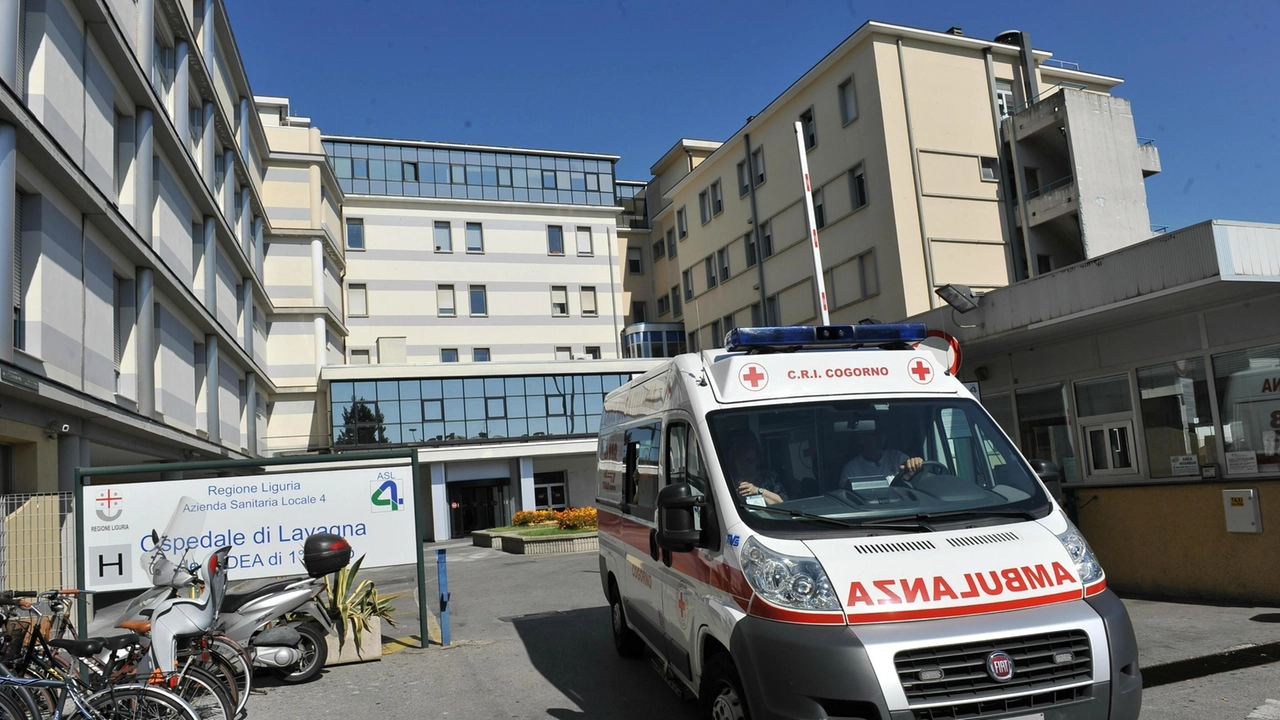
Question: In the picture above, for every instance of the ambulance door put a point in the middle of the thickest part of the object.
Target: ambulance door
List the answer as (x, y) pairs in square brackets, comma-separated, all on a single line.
[(642, 583), (681, 591)]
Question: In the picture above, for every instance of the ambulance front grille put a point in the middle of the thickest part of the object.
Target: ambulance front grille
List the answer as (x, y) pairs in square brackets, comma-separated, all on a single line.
[(894, 547), (972, 540), (1041, 662), (1001, 706)]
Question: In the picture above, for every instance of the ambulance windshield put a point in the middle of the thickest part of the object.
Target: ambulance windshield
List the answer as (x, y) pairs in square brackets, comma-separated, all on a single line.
[(869, 461)]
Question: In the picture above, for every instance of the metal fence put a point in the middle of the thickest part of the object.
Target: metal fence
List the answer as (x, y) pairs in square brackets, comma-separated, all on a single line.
[(37, 541)]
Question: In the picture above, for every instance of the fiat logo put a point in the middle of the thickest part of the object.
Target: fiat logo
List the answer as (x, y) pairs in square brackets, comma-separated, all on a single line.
[(1000, 666)]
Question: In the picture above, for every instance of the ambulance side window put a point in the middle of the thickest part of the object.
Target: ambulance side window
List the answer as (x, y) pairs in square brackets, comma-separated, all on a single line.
[(643, 448), (684, 459)]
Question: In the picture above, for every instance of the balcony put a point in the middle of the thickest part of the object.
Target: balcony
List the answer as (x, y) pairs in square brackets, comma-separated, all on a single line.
[(1051, 201), (1148, 157)]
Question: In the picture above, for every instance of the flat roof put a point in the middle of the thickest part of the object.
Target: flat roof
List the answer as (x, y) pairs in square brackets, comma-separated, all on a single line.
[(489, 369), (465, 146)]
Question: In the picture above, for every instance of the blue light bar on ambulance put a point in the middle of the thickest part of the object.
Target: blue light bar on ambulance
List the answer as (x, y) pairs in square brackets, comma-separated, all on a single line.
[(810, 336)]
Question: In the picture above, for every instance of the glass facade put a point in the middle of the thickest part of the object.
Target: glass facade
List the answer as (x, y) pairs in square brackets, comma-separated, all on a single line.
[(635, 208), (440, 172), (654, 340), (454, 410)]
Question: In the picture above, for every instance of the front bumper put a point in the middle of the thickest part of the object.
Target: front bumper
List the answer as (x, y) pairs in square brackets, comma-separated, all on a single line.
[(815, 673)]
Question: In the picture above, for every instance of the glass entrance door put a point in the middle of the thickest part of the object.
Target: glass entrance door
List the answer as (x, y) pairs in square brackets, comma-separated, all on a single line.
[(476, 507)]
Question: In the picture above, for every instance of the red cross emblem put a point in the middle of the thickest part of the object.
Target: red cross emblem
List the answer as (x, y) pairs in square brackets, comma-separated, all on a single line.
[(920, 371), (682, 608), (753, 377), (109, 498), (109, 514)]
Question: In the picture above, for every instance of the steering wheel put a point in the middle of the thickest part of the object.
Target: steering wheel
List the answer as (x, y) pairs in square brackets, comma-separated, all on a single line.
[(901, 479)]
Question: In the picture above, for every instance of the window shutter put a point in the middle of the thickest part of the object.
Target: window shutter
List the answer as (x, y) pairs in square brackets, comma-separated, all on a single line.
[(17, 251), (20, 81), (115, 320)]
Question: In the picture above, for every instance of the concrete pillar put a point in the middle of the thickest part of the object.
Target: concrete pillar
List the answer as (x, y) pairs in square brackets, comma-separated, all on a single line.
[(182, 91), (208, 146), (229, 186), (210, 264), (439, 504), (8, 189), (320, 334), (317, 272), (526, 484), (206, 33), (73, 452), (146, 329), (258, 248), (147, 38), (246, 322), (9, 26), (144, 200), (211, 388), (243, 227), (251, 412), (244, 126)]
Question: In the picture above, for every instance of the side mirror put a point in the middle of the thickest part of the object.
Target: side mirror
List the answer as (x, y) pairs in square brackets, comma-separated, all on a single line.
[(677, 527), (1046, 471), (155, 537)]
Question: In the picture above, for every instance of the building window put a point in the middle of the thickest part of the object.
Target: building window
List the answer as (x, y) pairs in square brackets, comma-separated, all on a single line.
[(555, 240), (1044, 263), (858, 186), (868, 275), (757, 165), (772, 313), (819, 209), (710, 266), (445, 305), (716, 337), (410, 171), (671, 243), (357, 300), (1176, 418), (686, 280), (658, 251), (691, 342), (1004, 97), (555, 403), (559, 301), (749, 243), (635, 261), (726, 324), (359, 357), (682, 224), (810, 129), (449, 355), (1248, 384), (480, 354), (744, 179), (1043, 430), (756, 319), (717, 198), (638, 312), (479, 301), (593, 351), (704, 206), (444, 236), (589, 302), (664, 305), (549, 491), (766, 239), (989, 168), (848, 101), (586, 247), (722, 259), (355, 233), (677, 309), (117, 328), (475, 238)]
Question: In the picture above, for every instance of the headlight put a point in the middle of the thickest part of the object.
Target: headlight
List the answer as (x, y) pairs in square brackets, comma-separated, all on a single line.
[(1087, 566), (787, 581)]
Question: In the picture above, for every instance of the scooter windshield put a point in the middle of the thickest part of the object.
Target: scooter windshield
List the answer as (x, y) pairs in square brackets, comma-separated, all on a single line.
[(167, 559)]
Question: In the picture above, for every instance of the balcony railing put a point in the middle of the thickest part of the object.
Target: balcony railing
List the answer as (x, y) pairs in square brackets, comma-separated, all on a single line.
[(1064, 64), (1146, 141), (1046, 189), (1159, 229)]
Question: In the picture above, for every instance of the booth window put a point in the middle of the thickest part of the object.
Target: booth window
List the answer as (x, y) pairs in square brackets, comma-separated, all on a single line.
[(1248, 385), (1043, 430), (1176, 418), (1104, 407)]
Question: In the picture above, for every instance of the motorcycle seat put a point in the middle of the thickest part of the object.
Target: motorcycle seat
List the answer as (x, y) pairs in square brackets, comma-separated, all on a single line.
[(232, 602), (142, 627)]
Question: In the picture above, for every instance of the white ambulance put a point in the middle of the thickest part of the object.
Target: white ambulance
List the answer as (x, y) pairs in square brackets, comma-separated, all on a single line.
[(821, 522)]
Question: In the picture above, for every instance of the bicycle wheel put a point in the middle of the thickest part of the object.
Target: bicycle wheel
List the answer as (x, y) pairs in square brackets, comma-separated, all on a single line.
[(11, 709), (135, 702), (225, 673), (242, 663), (205, 694)]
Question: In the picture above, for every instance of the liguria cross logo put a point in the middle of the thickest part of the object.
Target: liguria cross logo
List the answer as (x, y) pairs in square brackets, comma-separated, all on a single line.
[(386, 496), (109, 506)]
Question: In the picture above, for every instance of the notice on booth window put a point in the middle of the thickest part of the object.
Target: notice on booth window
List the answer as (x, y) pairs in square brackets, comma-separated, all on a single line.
[(1184, 465), (1242, 463)]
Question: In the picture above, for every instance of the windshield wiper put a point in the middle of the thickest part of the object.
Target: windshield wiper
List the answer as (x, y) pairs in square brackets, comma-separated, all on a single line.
[(913, 523), (801, 514), (978, 512)]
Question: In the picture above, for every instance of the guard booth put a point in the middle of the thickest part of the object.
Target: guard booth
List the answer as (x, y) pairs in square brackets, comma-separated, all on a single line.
[(263, 508)]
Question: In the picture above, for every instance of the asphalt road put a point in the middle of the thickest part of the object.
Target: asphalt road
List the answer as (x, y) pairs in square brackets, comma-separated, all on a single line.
[(531, 640)]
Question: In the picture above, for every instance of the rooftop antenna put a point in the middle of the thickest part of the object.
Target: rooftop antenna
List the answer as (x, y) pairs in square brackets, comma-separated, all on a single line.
[(810, 218), (702, 359)]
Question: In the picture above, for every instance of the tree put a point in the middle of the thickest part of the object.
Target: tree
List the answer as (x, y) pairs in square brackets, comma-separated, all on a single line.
[(362, 424)]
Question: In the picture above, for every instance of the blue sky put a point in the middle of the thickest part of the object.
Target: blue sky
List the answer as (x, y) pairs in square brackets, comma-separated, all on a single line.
[(630, 78)]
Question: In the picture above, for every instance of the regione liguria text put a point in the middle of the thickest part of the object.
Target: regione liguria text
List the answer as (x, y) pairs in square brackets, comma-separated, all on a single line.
[(264, 518)]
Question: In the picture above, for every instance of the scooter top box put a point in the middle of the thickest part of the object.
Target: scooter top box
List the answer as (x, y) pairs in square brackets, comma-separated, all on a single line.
[(325, 553)]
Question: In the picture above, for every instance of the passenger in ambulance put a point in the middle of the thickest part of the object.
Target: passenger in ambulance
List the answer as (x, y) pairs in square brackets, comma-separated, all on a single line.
[(759, 484), (877, 463)]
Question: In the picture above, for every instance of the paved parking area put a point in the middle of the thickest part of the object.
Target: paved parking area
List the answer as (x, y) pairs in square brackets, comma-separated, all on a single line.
[(531, 640)]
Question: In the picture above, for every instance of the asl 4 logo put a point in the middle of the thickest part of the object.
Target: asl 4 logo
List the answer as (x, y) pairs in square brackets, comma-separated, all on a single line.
[(386, 494)]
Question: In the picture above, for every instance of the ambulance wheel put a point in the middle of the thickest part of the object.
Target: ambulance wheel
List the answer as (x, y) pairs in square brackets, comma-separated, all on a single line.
[(721, 697), (625, 640)]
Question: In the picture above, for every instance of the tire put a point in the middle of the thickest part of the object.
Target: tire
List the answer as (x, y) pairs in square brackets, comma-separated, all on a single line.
[(138, 702), (625, 640), (241, 664), (205, 694), (11, 709), (721, 696), (225, 673), (315, 653)]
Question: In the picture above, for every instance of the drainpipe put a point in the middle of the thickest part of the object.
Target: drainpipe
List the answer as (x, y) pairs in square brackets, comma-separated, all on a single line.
[(755, 221), (1029, 68), (915, 171), (613, 296)]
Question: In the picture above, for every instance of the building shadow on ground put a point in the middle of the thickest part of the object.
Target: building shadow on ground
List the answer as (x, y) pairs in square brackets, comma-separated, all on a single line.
[(573, 650)]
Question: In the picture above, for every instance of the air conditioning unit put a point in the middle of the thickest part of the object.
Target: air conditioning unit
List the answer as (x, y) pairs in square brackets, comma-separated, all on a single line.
[(581, 356)]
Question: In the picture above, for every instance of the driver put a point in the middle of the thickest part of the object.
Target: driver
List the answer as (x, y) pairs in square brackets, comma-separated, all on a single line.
[(748, 470), (875, 460)]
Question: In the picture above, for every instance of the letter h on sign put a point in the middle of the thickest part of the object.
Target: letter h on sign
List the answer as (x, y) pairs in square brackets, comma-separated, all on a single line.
[(112, 563)]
